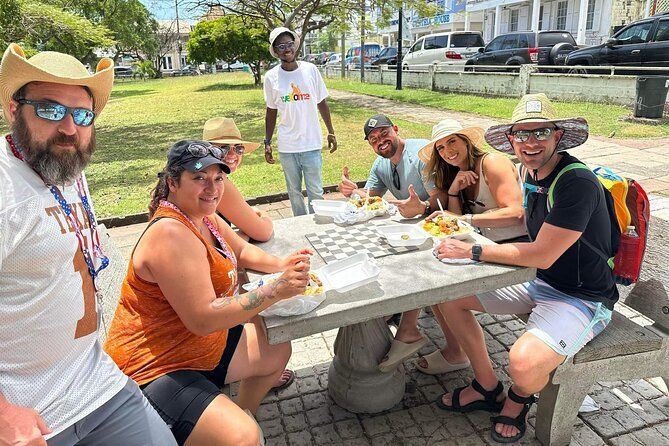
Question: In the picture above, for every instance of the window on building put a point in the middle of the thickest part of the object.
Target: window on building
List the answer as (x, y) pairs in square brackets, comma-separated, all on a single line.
[(590, 20), (541, 17), (166, 63), (562, 15), (183, 60), (513, 20)]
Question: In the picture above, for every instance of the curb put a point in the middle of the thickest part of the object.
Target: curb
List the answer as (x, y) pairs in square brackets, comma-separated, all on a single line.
[(143, 217)]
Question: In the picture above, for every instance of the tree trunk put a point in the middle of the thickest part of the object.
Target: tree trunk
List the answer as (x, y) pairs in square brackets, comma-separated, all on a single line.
[(362, 41), (343, 55)]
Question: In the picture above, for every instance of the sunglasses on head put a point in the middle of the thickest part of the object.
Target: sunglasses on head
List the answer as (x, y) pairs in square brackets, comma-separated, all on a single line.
[(284, 46), (53, 111), (237, 148), (200, 150), (541, 134)]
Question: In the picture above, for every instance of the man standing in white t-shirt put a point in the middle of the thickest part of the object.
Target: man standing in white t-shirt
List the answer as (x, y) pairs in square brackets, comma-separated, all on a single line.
[(296, 91), (57, 386)]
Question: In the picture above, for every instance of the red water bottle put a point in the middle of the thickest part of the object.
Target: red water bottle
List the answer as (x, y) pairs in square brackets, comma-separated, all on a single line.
[(628, 258)]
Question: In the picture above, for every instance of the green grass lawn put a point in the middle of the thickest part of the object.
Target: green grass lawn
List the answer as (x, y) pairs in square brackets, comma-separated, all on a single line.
[(603, 119), (143, 119)]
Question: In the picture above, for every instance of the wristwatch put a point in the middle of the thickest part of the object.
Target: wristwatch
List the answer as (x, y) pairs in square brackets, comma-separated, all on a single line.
[(428, 209), (477, 250), (267, 141)]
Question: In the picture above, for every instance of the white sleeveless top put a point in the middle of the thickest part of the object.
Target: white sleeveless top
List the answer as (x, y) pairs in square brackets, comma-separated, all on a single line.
[(485, 202)]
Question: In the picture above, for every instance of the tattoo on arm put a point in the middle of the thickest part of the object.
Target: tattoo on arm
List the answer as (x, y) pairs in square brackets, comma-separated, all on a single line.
[(252, 299)]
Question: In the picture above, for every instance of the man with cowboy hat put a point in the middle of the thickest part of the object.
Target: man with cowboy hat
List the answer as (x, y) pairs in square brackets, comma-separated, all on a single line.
[(56, 382), (570, 301), (296, 91), (399, 170)]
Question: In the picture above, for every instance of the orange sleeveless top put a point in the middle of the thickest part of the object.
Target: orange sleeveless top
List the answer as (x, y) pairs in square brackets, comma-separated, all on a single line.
[(147, 339)]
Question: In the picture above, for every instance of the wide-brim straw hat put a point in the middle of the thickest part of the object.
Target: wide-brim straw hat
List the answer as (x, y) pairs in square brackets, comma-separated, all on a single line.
[(58, 68), (276, 32), (446, 128), (225, 131), (538, 108)]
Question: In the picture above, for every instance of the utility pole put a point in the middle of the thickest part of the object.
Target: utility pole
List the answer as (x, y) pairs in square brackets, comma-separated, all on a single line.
[(398, 85), (362, 41), (343, 55), (179, 48)]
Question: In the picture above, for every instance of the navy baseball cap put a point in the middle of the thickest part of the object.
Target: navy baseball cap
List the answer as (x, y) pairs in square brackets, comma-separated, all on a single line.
[(195, 155), (376, 122)]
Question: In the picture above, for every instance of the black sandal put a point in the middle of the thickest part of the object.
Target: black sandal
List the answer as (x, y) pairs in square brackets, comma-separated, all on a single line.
[(489, 403), (519, 422)]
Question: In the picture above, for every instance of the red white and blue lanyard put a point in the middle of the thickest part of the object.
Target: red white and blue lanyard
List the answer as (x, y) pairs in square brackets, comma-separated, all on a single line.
[(67, 210)]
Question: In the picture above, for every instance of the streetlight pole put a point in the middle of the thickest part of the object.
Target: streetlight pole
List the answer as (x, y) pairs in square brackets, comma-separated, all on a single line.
[(398, 85), (176, 7)]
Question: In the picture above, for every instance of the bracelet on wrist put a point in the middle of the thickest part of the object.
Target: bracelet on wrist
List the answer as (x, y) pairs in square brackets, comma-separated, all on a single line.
[(267, 141), (331, 134), (453, 195), (428, 209)]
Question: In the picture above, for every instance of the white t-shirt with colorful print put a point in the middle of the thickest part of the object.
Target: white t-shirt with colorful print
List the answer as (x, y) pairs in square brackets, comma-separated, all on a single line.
[(296, 94)]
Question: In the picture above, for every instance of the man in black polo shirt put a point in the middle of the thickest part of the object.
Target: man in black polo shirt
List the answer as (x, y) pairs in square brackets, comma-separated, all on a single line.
[(570, 301)]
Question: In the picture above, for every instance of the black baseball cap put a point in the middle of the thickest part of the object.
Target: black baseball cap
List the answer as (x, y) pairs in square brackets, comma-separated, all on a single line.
[(376, 122), (195, 155)]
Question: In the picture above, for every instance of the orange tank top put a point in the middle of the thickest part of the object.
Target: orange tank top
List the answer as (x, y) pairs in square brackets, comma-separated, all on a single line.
[(146, 337)]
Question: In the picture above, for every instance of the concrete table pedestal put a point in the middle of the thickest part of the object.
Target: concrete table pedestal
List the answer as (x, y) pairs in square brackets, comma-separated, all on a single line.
[(355, 382)]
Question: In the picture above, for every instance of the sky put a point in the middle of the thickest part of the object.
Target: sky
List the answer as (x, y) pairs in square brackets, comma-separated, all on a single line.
[(165, 9)]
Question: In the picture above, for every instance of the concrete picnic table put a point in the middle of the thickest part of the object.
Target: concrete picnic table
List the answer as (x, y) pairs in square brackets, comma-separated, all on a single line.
[(407, 281)]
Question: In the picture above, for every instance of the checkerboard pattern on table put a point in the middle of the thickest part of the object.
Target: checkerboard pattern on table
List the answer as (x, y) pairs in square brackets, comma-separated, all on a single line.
[(342, 242)]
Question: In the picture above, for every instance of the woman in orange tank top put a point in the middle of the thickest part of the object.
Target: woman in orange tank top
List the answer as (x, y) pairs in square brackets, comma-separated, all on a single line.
[(181, 330)]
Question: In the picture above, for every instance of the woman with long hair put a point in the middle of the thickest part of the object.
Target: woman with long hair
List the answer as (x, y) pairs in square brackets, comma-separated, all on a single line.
[(483, 189)]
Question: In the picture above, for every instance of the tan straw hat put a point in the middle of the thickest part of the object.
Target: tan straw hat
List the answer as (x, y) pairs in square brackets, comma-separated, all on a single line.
[(224, 131), (58, 68), (538, 108), (446, 128), (276, 32)]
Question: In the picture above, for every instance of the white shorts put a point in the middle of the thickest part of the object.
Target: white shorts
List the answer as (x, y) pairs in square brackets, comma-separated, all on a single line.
[(565, 323)]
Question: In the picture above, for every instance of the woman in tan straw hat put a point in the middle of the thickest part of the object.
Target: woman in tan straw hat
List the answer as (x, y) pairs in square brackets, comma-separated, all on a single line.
[(233, 208), (455, 161)]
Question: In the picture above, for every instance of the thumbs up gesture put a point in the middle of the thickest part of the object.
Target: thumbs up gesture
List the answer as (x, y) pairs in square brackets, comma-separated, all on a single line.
[(410, 207), (346, 186)]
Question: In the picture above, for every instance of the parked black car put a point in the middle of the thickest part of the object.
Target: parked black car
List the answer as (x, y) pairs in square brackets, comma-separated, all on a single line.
[(644, 43), (387, 56), (525, 47)]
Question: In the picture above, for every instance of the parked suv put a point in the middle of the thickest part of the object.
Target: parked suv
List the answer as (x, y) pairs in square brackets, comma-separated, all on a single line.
[(453, 47), (526, 47), (644, 43), (387, 56)]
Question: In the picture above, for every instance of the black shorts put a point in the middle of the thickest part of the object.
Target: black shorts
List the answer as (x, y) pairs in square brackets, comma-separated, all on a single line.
[(181, 397)]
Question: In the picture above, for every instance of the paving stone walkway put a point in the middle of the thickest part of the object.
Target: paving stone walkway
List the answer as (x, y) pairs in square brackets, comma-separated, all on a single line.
[(632, 412)]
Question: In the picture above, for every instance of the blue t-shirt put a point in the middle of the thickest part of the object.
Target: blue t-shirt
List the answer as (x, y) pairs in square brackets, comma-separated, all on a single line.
[(410, 170)]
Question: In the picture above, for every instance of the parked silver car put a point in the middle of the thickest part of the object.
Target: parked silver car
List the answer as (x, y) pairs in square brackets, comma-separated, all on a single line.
[(453, 47)]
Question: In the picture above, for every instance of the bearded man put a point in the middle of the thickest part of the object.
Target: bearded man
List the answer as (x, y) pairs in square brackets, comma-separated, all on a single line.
[(57, 386)]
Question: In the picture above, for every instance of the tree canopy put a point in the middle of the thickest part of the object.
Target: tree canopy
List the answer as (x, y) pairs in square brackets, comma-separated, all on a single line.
[(230, 38)]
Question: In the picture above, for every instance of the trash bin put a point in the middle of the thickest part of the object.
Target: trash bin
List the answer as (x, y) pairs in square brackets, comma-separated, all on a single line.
[(651, 94)]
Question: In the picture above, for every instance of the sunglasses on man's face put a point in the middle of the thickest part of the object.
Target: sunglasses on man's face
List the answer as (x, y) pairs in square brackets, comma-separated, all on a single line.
[(541, 134), (53, 111), (237, 148), (284, 46)]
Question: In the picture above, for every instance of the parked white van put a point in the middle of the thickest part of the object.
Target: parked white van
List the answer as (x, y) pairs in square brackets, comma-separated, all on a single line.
[(453, 47)]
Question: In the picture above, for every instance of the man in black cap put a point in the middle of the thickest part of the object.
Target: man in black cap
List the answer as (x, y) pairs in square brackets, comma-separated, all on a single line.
[(399, 170)]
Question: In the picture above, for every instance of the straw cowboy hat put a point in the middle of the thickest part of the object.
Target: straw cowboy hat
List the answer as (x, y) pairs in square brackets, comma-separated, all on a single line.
[(538, 108), (224, 131), (276, 32), (448, 127), (48, 66)]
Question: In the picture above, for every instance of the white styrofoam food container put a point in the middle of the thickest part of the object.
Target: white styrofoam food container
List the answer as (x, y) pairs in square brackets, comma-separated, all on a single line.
[(466, 230), (403, 235), (341, 276), (328, 208)]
